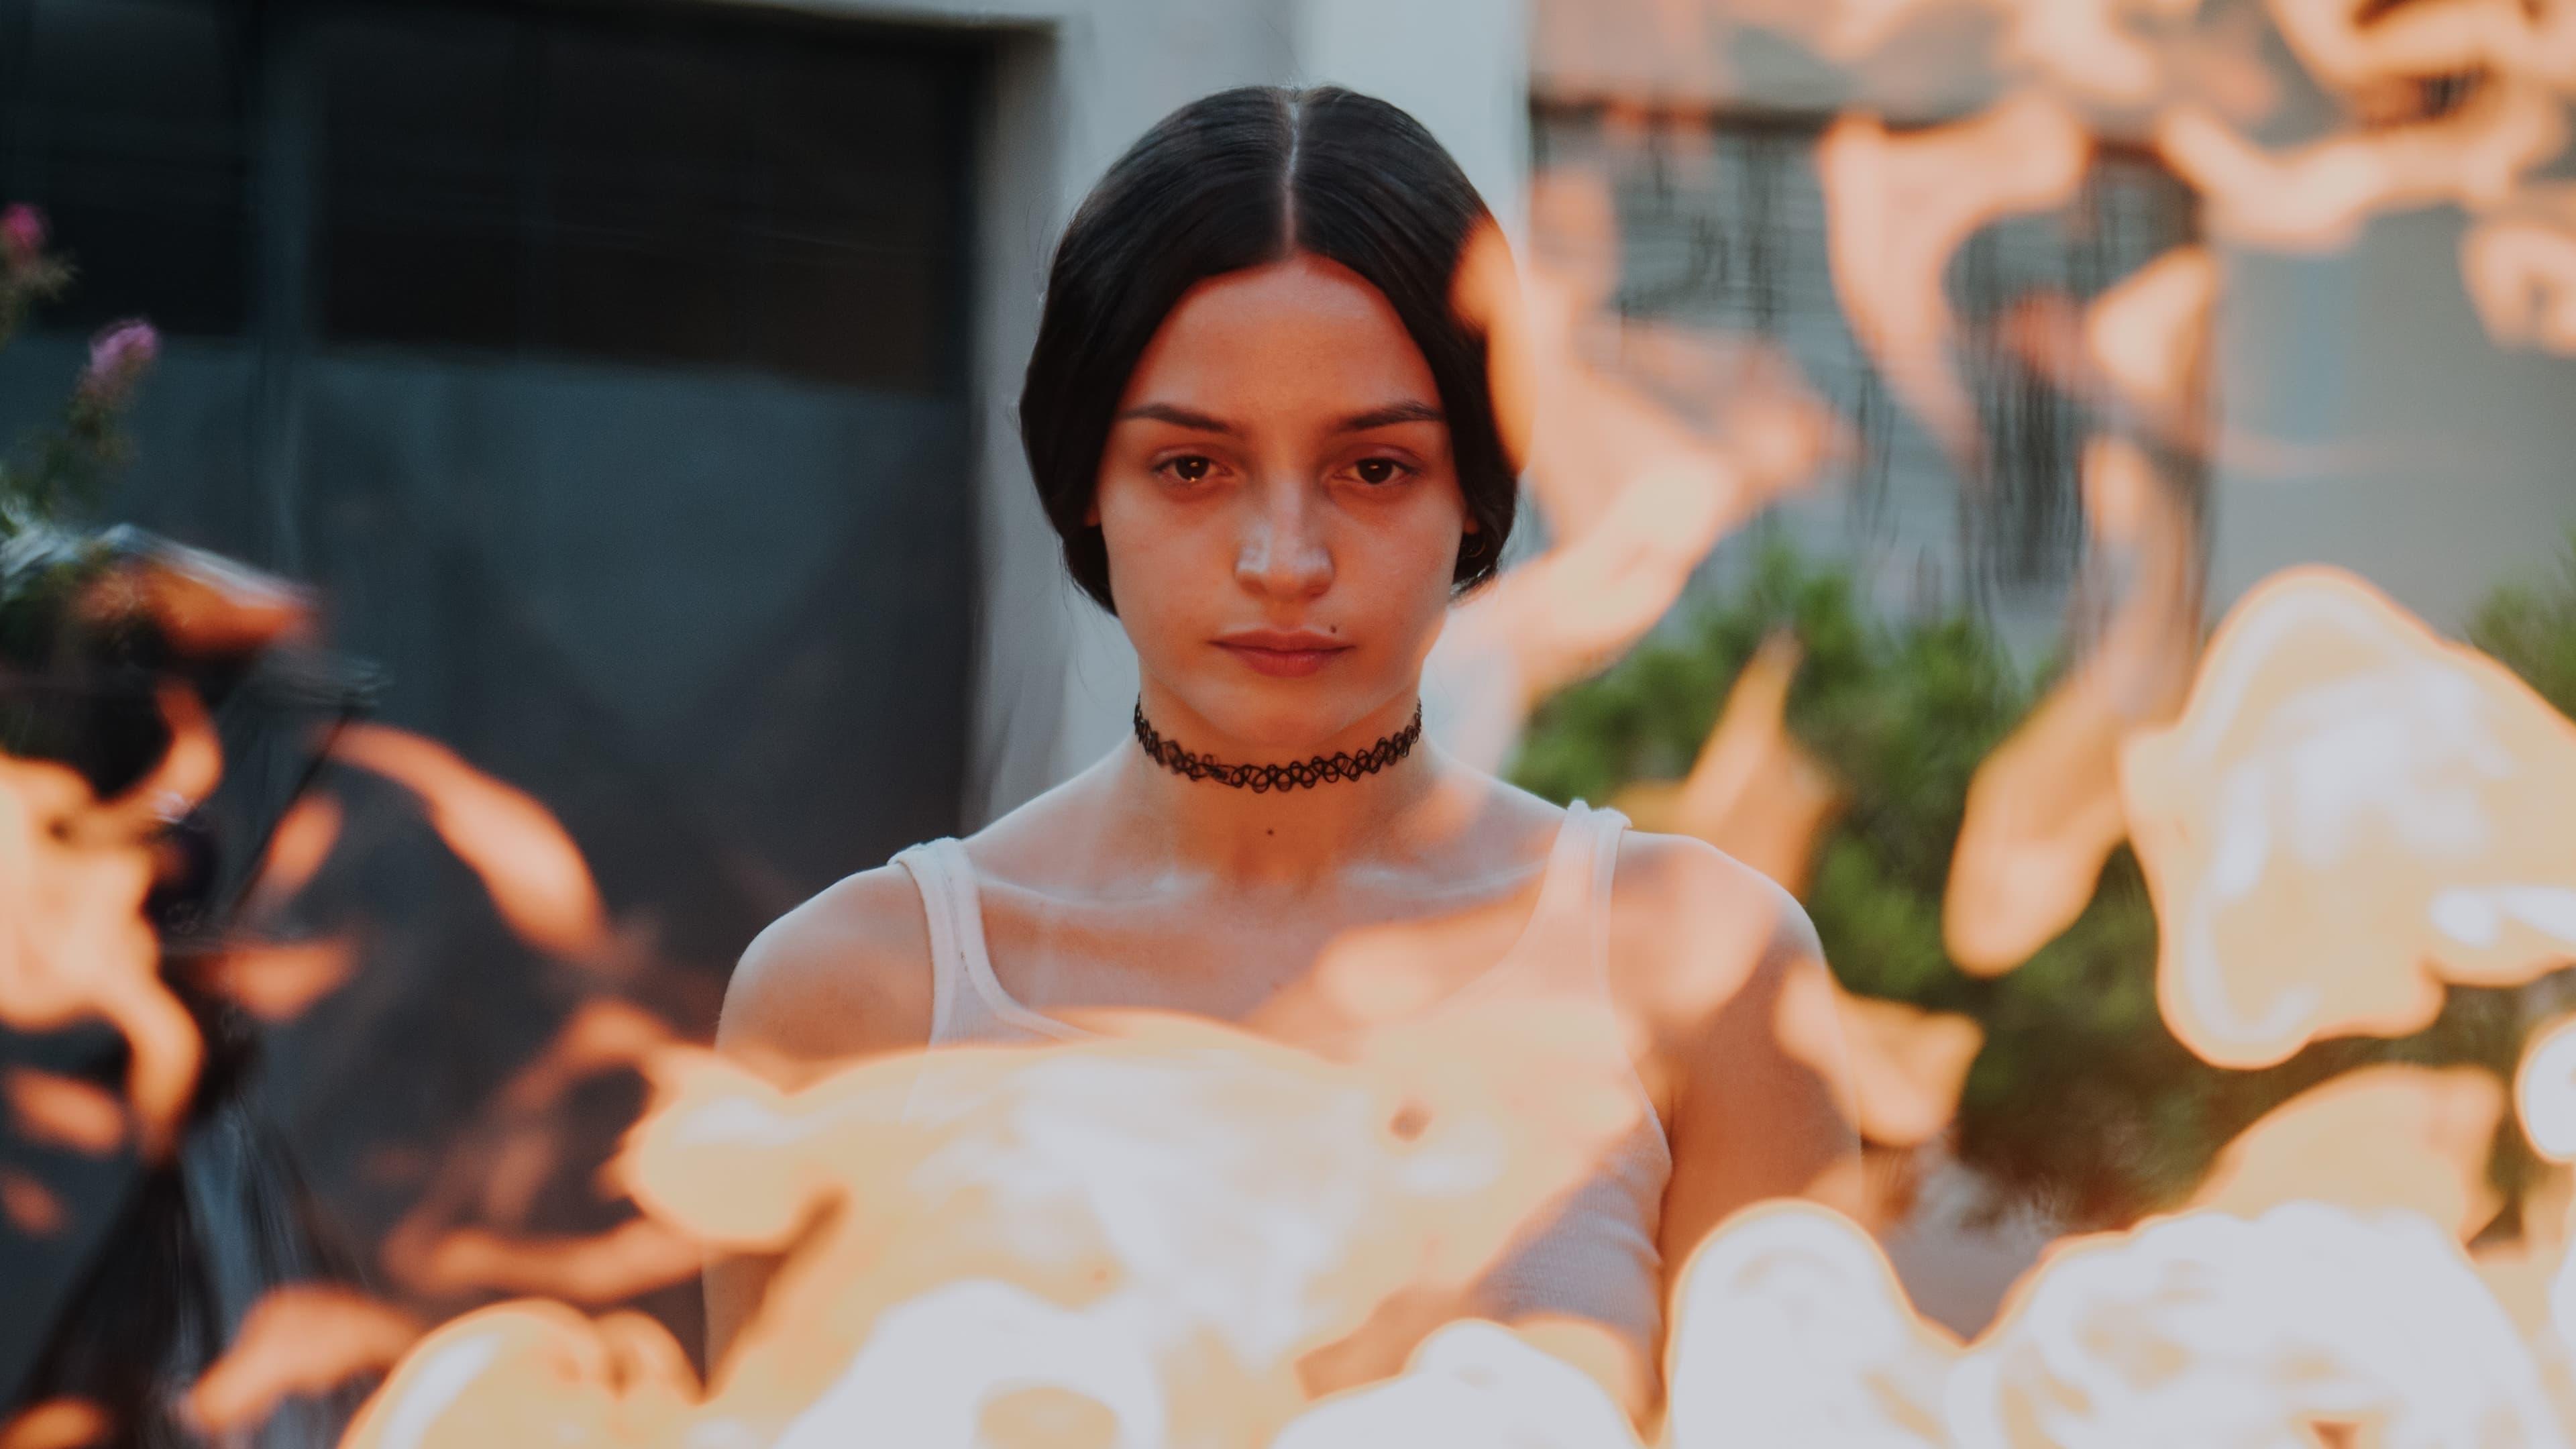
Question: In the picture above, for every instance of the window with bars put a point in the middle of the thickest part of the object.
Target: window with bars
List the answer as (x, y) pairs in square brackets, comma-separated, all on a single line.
[(129, 122), (1722, 225), (661, 194), (660, 185)]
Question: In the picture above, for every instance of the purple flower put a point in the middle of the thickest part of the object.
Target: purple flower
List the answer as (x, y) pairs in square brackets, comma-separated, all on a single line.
[(22, 234), (118, 357)]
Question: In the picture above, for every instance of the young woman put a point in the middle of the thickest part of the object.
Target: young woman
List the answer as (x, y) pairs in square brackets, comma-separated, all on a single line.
[(1268, 436)]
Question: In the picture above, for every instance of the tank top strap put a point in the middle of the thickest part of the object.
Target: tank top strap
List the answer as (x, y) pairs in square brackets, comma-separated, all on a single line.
[(967, 1001), (1567, 941), (1603, 827), (930, 870)]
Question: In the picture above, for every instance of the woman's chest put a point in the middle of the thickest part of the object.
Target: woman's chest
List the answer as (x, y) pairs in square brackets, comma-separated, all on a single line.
[(1284, 970)]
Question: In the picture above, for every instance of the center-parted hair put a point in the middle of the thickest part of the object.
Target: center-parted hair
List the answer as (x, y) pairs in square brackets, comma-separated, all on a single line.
[(1242, 179)]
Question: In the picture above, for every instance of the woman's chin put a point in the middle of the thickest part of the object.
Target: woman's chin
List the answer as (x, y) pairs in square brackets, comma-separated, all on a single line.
[(1277, 723)]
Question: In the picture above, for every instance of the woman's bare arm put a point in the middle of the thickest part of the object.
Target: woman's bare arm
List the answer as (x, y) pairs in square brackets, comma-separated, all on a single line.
[(841, 978), (1755, 1113)]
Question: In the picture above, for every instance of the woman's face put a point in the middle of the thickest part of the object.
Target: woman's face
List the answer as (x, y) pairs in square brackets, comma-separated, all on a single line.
[(1281, 511)]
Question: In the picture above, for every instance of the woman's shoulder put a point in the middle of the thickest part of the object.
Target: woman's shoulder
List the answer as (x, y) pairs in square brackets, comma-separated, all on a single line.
[(845, 975), (1691, 925)]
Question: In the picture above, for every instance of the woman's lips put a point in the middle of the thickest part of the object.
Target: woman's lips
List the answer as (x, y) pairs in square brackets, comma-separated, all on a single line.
[(1283, 658)]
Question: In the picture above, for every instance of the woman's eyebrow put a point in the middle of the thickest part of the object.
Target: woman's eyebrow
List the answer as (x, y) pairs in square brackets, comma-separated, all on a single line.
[(1180, 417), (1389, 416)]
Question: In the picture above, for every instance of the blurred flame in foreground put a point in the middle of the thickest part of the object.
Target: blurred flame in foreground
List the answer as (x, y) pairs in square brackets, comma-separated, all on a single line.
[(62, 1111), (2315, 197), (466, 1233), (2349, 812), (1135, 1240), (2043, 810), (528, 863), (2520, 262), (2149, 335), (29, 1205), (74, 871), (1646, 442), (56, 1424), (2204, 1328), (1755, 792), (277, 981), (1907, 1064), (1163, 1223), (2428, 1129), (1900, 205), (1145, 1238), (2544, 1090), (303, 1338)]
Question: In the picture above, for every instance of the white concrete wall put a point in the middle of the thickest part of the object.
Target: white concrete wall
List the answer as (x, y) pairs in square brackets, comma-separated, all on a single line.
[(2370, 422)]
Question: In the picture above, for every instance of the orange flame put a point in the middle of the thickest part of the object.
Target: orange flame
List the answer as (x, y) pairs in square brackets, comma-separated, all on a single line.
[(2149, 335), (299, 1339), (532, 1373), (2198, 1329), (2349, 812), (1790, 1328), (201, 604), (2348, 44), (64, 1111), (1754, 792), (2427, 1131), (2043, 810), (30, 1206), (533, 871), (2081, 46), (2544, 1090), (1084, 1204), (277, 982), (1897, 207), (73, 941), (495, 1174), (2206, 1328), (296, 851), (608, 1267), (1641, 466), (1906, 1064), (1471, 1383), (2315, 197), (2520, 263), (56, 1424)]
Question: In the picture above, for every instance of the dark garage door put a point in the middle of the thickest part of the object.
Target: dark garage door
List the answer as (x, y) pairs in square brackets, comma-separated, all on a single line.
[(604, 366)]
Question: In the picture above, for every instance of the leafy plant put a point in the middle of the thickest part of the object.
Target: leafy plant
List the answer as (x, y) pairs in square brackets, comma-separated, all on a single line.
[(67, 464), (2531, 630), (2081, 1100)]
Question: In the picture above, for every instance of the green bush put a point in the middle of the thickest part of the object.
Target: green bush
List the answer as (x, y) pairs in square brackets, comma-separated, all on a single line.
[(2080, 1101), (2532, 631)]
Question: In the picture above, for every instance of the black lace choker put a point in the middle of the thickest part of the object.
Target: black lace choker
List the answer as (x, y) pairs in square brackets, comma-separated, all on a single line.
[(1295, 775)]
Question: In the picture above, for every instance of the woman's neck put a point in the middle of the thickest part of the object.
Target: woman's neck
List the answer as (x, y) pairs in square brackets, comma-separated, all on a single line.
[(1280, 838)]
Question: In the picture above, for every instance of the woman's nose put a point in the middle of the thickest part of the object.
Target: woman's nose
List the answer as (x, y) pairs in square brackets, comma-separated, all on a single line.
[(1283, 552)]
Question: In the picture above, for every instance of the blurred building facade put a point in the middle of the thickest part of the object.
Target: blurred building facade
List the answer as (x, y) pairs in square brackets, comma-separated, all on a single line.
[(2362, 415)]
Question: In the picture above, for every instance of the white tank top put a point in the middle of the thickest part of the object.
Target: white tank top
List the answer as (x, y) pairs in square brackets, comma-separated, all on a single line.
[(1594, 1258)]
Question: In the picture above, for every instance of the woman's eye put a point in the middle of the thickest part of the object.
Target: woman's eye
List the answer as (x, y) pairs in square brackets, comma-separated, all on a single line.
[(1189, 469), (1379, 471)]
